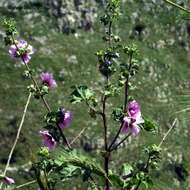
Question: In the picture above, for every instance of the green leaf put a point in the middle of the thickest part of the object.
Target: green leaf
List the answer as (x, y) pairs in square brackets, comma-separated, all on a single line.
[(153, 149), (10, 26), (9, 187), (130, 49), (66, 159), (118, 114), (149, 126), (69, 171), (147, 182), (51, 117), (156, 148), (126, 169), (116, 180), (72, 157), (81, 93), (112, 90)]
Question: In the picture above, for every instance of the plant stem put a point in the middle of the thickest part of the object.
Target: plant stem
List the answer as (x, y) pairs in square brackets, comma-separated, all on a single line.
[(17, 137), (116, 136), (78, 136), (106, 158), (38, 179), (127, 83), (26, 184), (42, 97), (125, 102), (107, 154), (122, 141), (160, 144), (177, 6), (64, 138), (110, 32), (168, 132), (93, 109), (46, 178)]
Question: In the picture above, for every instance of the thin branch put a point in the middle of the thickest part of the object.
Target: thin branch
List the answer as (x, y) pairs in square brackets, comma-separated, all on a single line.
[(93, 109), (122, 141), (116, 136), (168, 132), (110, 32), (105, 123), (106, 158), (64, 138), (26, 184), (177, 6), (17, 137), (78, 136), (38, 178), (127, 83), (160, 144), (46, 178)]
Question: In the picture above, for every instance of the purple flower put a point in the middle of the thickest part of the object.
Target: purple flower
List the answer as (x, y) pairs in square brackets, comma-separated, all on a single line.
[(133, 110), (9, 180), (23, 52), (49, 141), (124, 177), (47, 78), (133, 120), (66, 118)]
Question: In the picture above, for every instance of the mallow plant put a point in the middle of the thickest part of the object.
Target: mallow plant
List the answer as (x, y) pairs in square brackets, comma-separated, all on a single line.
[(57, 160)]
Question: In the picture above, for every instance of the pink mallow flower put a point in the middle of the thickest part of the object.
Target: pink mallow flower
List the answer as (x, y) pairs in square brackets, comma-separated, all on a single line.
[(133, 120), (9, 180), (24, 52), (133, 110), (49, 141), (66, 118), (47, 78)]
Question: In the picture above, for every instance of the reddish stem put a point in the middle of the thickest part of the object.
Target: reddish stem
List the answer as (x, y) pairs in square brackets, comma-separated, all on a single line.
[(125, 102), (106, 158)]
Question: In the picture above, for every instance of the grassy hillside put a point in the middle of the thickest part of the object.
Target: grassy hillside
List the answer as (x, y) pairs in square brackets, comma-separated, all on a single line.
[(163, 85)]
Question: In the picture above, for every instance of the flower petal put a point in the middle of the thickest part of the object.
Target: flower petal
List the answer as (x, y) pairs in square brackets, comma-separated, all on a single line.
[(9, 180), (49, 141), (47, 78), (135, 129), (126, 123), (133, 109), (139, 120), (66, 119)]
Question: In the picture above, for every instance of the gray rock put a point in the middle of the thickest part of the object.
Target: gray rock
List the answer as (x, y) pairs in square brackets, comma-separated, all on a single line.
[(16, 3), (73, 14)]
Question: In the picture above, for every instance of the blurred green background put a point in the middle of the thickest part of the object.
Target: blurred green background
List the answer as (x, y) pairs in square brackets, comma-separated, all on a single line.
[(66, 34)]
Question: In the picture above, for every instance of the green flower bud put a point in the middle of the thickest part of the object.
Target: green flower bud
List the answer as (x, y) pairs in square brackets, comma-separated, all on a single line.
[(44, 151), (44, 90)]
